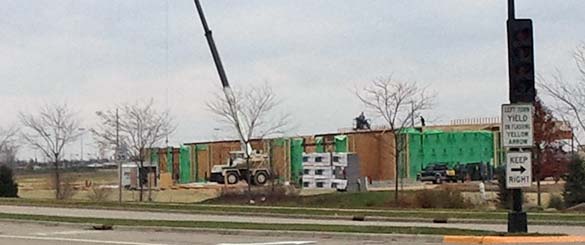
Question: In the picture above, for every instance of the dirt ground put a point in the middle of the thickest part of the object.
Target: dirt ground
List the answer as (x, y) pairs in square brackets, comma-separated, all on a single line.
[(44, 180), (40, 185)]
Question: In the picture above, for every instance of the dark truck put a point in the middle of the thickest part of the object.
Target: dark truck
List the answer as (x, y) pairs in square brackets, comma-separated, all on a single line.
[(438, 173)]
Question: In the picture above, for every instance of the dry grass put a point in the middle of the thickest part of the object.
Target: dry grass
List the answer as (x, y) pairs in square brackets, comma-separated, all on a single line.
[(546, 186), (97, 194), (179, 196), (85, 184), (265, 194), (38, 181)]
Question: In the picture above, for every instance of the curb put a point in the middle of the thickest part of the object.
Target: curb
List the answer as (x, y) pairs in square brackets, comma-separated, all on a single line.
[(271, 233), (302, 234), (512, 239)]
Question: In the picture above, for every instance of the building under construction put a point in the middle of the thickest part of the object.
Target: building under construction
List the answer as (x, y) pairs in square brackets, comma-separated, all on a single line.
[(465, 142)]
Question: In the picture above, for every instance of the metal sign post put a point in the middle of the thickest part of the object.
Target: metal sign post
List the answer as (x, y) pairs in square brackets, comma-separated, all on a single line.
[(517, 117)]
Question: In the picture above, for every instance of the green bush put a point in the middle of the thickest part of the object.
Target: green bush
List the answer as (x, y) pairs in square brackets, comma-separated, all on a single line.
[(8, 188), (556, 202), (575, 183)]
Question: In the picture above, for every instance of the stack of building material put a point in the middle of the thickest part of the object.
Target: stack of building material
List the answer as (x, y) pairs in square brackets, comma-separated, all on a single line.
[(317, 171), (339, 163), (324, 170)]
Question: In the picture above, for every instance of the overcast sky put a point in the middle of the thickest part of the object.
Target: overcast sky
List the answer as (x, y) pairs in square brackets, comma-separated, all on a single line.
[(94, 54)]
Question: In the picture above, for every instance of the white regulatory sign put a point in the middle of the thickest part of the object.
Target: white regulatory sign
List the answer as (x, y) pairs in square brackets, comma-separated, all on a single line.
[(518, 169), (517, 125)]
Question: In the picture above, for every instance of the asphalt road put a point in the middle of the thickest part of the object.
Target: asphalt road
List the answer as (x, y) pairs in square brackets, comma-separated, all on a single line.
[(17, 233), (72, 212)]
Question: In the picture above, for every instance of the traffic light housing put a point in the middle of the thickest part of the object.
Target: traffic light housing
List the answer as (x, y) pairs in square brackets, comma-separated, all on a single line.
[(521, 61)]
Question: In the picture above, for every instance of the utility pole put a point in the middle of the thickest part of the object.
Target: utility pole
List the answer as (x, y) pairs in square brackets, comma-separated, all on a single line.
[(117, 157), (82, 130)]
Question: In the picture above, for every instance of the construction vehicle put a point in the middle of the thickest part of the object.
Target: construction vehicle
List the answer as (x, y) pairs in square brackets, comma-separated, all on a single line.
[(236, 169), (246, 164)]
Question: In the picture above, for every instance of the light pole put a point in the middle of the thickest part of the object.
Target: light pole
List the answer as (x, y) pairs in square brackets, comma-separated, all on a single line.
[(82, 130), (117, 157)]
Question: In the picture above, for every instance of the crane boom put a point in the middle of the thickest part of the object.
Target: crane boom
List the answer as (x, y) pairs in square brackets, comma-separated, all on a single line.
[(229, 95), (212, 47)]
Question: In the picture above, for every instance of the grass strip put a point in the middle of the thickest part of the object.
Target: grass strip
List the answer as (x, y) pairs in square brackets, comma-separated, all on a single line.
[(258, 226), (223, 209)]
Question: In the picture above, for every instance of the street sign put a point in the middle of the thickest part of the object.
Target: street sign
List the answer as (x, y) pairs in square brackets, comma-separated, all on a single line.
[(517, 125), (518, 169)]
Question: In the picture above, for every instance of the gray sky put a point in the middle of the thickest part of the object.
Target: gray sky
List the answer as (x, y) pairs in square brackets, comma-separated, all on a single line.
[(94, 54)]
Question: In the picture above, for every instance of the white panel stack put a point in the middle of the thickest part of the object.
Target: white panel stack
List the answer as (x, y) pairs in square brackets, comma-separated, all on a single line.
[(339, 159), (316, 159), (318, 171), (324, 170), (322, 183), (309, 183)]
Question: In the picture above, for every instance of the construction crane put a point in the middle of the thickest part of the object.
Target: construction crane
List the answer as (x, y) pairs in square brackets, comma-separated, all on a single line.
[(238, 166)]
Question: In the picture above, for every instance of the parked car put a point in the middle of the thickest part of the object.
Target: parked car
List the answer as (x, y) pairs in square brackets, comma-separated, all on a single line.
[(438, 173)]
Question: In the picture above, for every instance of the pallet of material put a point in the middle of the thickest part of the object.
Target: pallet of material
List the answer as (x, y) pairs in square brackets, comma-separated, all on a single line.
[(339, 159), (318, 170), (317, 183), (316, 159)]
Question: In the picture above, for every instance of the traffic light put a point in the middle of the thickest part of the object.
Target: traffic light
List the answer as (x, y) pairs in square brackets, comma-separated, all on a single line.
[(521, 61)]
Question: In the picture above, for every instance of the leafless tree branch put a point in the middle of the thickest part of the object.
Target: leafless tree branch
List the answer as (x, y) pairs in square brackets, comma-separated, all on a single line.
[(570, 96), (398, 103), (140, 127), (255, 107), (50, 130), (395, 101), (8, 145)]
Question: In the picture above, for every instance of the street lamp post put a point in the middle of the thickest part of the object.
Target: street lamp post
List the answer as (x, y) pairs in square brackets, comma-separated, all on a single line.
[(82, 130)]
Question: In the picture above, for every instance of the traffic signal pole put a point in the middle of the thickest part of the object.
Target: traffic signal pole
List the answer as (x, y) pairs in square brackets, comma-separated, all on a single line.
[(511, 10), (521, 90)]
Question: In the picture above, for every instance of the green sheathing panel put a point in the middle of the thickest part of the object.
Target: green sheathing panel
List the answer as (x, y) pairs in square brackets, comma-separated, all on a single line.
[(184, 165), (461, 147), (341, 143), (296, 159), (415, 154), (154, 156), (319, 144), (170, 160)]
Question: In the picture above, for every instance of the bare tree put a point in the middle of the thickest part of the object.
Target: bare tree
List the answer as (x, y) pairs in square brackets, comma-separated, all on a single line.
[(50, 130), (8, 136), (397, 103), (252, 113), (8, 145), (141, 127), (570, 96)]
